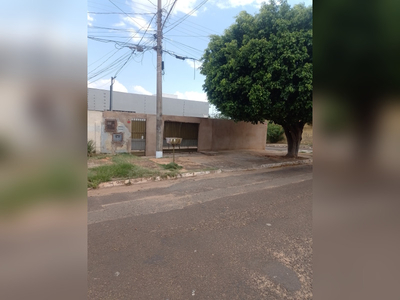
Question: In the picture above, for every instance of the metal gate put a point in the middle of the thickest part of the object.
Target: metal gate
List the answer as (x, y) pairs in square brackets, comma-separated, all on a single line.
[(189, 133), (138, 136)]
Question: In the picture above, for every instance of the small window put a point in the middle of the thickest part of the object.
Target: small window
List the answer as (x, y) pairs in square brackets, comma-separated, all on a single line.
[(117, 137), (110, 125)]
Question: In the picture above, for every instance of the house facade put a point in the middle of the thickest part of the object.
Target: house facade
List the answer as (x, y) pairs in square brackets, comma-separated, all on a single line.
[(130, 127)]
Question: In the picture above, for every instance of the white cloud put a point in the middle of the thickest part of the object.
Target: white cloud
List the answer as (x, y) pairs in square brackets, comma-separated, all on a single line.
[(191, 64), (119, 24), (192, 96), (104, 84), (141, 90), (144, 6), (235, 3), (183, 6), (90, 19), (137, 26), (138, 22)]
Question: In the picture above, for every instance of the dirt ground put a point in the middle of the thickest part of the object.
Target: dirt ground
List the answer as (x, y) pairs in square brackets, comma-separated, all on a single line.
[(207, 160)]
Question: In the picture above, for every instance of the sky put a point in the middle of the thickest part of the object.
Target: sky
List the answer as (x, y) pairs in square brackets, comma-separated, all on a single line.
[(114, 25)]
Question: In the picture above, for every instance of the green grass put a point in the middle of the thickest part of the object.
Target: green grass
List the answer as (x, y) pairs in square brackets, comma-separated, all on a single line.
[(99, 156), (125, 158), (119, 170), (171, 166), (123, 167), (169, 174)]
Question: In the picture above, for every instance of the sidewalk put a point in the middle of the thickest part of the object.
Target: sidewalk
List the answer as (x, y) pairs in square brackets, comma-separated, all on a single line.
[(232, 160), (207, 162)]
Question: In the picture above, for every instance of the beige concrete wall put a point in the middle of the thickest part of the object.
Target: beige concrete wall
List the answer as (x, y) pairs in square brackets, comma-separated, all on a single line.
[(204, 142), (228, 135), (183, 119), (151, 125), (123, 126), (214, 134), (94, 120)]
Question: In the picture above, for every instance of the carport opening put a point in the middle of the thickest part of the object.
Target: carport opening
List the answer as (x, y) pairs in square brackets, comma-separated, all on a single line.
[(189, 132)]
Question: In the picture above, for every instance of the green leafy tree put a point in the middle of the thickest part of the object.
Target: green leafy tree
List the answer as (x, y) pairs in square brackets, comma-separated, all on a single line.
[(274, 132), (261, 69)]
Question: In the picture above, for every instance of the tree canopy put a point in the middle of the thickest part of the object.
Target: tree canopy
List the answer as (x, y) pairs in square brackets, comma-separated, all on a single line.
[(261, 68)]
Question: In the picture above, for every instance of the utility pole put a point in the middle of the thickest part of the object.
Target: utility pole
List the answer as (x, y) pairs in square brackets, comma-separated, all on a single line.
[(111, 91), (159, 124)]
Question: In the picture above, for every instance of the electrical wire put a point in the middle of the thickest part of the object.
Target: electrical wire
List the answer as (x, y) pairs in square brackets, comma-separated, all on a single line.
[(114, 29), (100, 6), (110, 68), (166, 18), (201, 28), (125, 13), (122, 61), (181, 57), (127, 60), (135, 5), (184, 31), (152, 3), (119, 70), (147, 29), (117, 13), (186, 16), (189, 50)]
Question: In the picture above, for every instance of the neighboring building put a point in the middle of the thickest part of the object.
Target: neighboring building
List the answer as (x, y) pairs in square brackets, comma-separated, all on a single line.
[(131, 125), (99, 100)]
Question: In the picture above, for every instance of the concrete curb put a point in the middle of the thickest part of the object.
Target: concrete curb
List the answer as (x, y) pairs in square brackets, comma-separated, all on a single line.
[(274, 165), (194, 174), (158, 178), (302, 147)]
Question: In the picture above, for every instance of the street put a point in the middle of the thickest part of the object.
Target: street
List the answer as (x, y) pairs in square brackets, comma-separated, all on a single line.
[(234, 235)]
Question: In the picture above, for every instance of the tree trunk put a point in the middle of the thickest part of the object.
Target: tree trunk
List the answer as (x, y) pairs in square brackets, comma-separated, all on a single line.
[(293, 136)]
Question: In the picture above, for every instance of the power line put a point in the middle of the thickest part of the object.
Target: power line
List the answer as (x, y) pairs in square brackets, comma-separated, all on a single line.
[(124, 12), (147, 8), (113, 29), (147, 29), (181, 57), (119, 43), (110, 68), (184, 45), (136, 47), (117, 13), (123, 65), (97, 5), (138, 50), (166, 18), (187, 15), (195, 29), (198, 25), (185, 31), (125, 58), (152, 3), (194, 36)]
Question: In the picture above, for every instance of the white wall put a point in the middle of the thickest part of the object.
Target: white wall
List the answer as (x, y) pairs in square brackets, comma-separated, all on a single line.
[(99, 100), (94, 120)]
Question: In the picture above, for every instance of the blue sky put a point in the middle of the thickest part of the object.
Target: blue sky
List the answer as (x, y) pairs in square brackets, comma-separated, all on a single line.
[(127, 21)]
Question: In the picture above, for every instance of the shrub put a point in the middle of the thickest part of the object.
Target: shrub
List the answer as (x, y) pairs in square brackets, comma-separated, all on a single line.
[(91, 147), (274, 133)]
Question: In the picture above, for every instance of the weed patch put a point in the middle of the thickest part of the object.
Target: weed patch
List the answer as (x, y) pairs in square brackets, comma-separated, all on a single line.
[(119, 170), (171, 166)]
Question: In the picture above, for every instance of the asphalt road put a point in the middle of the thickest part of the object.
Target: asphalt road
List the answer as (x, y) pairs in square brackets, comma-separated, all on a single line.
[(245, 235)]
